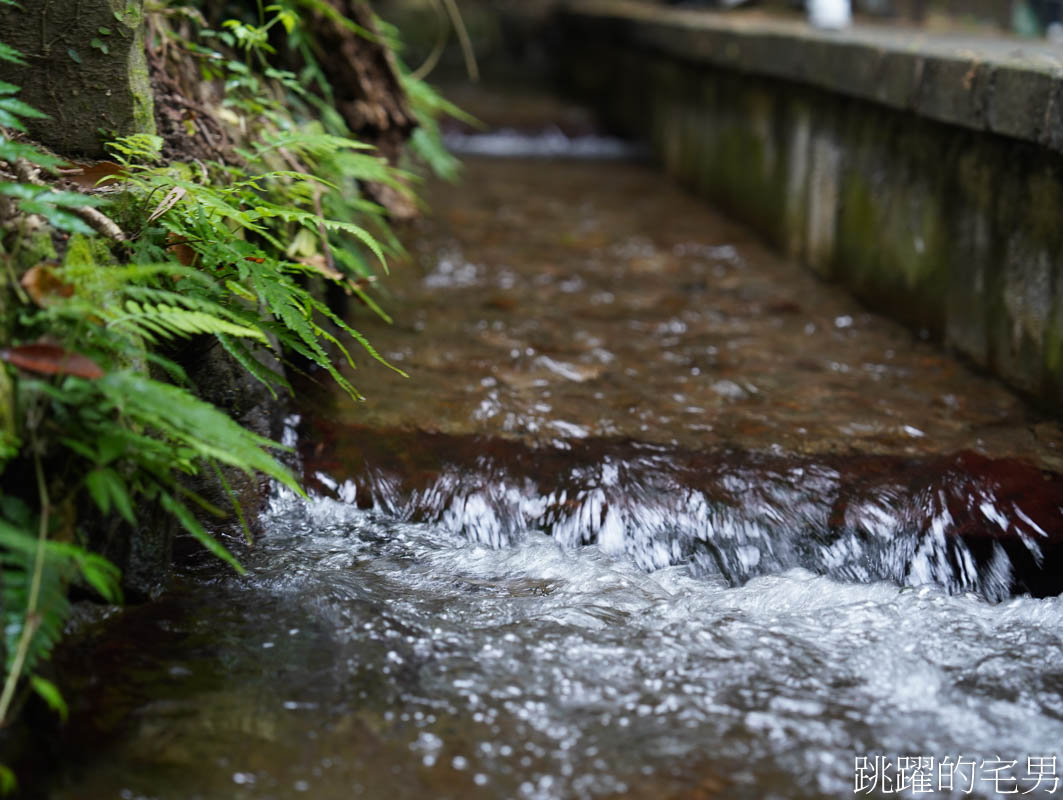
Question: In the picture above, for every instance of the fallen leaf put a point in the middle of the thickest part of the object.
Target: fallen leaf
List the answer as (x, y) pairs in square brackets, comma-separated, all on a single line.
[(51, 359), (172, 198), (93, 176), (255, 259), (319, 263), (44, 286), (182, 252), (501, 302)]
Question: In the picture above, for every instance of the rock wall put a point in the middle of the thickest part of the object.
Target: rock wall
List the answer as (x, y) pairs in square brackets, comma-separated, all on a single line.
[(953, 229)]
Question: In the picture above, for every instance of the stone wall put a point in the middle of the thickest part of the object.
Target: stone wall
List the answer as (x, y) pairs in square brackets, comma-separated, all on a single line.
[(951, 228)]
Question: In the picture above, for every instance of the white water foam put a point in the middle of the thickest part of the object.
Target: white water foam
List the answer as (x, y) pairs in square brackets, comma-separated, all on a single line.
[(575, 665)]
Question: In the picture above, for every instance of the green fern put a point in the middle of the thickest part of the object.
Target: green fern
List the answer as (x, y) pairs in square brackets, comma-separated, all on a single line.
[(160, 320), (211, 249), (9, 53)]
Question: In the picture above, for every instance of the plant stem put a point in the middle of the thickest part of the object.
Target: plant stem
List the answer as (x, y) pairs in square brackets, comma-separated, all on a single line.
[(32, 621), (463, 40)]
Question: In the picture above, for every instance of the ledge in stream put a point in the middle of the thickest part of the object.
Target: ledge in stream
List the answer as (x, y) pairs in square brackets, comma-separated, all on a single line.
[(963, 522)]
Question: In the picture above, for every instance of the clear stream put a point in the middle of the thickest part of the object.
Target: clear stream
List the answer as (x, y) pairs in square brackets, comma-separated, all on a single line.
[(657, 516)]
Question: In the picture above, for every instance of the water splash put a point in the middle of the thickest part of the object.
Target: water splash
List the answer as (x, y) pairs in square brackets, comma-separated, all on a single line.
[(965, 523), (565, 664)]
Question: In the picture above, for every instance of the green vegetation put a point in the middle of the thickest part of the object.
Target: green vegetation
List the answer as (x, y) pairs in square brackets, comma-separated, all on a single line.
[(97, 285)]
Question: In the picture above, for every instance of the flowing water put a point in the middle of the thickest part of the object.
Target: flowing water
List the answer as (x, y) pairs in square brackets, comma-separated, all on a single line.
[(657, 515)]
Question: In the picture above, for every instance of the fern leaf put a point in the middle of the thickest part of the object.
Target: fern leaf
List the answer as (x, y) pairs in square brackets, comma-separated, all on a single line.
[(191, 524), (209, 432), (361, 234), (258, 370), (358, 337), (8, 53), (170, 321)]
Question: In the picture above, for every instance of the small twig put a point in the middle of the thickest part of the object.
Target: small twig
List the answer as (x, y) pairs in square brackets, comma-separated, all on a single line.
[(94, 217), (463, 40), (101, 222), (27, 172)]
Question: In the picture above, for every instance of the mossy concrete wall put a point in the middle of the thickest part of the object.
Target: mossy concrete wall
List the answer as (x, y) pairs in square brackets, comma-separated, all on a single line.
[(84, 66), (951, 228)]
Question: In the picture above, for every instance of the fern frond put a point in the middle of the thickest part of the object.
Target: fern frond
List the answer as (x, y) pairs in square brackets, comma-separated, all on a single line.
[(358, 337), (198, 425), (62, 561), (292, 305), (192, 525), (311, 220), (160, 320), (9, 53), (312, 143), (258, 370)]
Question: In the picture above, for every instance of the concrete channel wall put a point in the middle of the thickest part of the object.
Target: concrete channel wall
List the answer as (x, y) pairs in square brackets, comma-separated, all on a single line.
[(925, 173)]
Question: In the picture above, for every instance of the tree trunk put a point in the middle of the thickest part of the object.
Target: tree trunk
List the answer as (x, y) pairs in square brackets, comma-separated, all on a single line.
[(84, 67)]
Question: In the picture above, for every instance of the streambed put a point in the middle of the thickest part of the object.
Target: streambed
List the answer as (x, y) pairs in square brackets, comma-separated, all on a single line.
[(658, 515)]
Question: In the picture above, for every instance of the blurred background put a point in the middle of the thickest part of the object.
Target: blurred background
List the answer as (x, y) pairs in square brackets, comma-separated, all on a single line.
[(502, 29)]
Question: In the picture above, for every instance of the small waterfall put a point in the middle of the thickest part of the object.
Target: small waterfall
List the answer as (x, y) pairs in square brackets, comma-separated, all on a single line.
[(965, 522)]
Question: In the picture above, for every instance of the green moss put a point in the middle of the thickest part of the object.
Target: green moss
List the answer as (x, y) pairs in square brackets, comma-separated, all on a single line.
[(859, 224), (1045, 205), (894, 252), (739, 163), (974, 174), (143, 96), (34, 249), (129, 12), (85, 251)]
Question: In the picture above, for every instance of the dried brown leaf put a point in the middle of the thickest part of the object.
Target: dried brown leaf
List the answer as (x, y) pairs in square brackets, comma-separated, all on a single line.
[(93, 176), (172, 198), (182, 252), (358, 287), (51, 359), (319, 264), (44, 286)]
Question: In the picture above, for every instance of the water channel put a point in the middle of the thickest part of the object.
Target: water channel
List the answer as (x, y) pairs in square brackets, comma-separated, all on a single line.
[(657, 515)]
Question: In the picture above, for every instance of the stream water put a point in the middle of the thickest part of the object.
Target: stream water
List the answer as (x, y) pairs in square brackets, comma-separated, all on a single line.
[(657, 515)]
